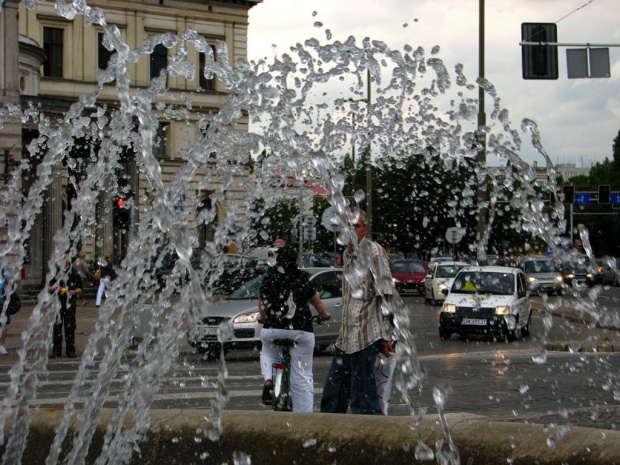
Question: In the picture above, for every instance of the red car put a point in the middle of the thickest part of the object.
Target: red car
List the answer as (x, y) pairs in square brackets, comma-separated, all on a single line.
[(408, 276)]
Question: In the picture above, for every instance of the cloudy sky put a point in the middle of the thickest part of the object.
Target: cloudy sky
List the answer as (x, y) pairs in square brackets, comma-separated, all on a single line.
[(578, 118)]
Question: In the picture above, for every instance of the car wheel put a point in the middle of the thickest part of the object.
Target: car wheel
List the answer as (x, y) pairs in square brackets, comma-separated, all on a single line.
[(511, 335), (525, 331), (444, 334)]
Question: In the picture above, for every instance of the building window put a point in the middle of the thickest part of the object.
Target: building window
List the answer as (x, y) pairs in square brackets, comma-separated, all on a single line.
[(103, 54), (53, 45), (161, 147), (203, 82), (159, 60)]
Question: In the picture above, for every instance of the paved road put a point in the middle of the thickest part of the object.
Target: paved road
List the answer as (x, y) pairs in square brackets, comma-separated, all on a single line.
[(479, 375)]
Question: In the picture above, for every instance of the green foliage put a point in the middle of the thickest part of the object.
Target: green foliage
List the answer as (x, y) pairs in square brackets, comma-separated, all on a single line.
[(274, 222)]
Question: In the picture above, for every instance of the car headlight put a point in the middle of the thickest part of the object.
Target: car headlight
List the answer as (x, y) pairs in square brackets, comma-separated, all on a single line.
[(246, 318), (442, 286), (502, 310), (449, 308), (570, 276), (531, 279), (558, 278), (589, 275), (395, 280)]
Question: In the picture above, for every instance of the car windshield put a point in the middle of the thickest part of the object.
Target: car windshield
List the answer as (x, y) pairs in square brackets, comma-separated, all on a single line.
[(403, 266), (483, 282), (447, 271), (568, 266), (251, 290), (539, 266)]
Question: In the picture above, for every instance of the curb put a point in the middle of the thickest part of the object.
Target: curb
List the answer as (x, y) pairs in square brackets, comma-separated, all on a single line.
[(181, 436)]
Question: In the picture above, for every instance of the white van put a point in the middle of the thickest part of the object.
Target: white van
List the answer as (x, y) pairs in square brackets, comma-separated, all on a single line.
[(491, 300)]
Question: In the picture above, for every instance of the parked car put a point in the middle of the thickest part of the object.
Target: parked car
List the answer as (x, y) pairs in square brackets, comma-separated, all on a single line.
[(439, 279), (408, 276), (442, 259), (607, 272), (234, 271), (233, 322), (574, 272), (165, 270), (542, 275), (327, 259), (489, 300)]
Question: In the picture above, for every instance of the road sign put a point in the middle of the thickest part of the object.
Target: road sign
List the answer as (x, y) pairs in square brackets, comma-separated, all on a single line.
[(539, 61), (582, 199), (330, 220), (311, 220), (454, 235), (615, 199)]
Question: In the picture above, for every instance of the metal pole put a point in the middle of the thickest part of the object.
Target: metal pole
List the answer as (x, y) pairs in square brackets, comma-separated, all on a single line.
[(300, 258), (369, 166), (570, 212), (481, 194)]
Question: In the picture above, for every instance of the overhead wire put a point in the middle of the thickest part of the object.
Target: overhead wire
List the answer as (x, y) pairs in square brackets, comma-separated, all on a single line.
[(575, 10)]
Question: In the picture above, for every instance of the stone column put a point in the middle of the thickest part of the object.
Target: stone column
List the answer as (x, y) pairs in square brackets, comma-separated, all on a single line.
[(11, 132)]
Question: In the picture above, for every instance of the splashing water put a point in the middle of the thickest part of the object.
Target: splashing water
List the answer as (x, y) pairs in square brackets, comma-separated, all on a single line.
[(413, 114)]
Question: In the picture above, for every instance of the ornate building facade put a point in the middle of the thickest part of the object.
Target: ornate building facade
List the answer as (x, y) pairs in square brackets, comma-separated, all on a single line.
[(58, 60)]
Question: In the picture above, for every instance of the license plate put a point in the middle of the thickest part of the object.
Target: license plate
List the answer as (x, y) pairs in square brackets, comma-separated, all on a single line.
[(474, 321), (208, 331)]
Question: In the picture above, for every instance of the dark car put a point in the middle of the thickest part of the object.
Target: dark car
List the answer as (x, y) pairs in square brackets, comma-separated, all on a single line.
[(328, 259), (165, 270), (408, 276), (576, 273)]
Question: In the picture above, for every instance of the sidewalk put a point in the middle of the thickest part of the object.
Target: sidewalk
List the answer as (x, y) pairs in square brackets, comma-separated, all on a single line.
[(86, 317)]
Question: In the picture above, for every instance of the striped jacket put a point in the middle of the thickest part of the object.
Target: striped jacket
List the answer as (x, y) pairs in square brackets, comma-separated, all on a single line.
[(366, 277)]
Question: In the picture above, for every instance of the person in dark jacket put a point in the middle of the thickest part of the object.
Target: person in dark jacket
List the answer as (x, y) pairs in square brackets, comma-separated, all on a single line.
[(284, 312), (68, 292)]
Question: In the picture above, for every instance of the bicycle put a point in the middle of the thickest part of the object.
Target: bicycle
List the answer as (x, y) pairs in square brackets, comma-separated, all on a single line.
[(281, 374)]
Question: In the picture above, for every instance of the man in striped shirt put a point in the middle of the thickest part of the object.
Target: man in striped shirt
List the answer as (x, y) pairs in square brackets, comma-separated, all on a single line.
[(366, 282)]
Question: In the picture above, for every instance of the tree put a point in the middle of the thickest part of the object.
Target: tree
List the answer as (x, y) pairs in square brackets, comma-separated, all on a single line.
[(274, 222)]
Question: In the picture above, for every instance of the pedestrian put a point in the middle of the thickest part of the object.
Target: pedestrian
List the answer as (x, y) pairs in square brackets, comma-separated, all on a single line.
[(80, 265), (364, 331), (5, 289), (284, 312), (68, 292), (108, 274)]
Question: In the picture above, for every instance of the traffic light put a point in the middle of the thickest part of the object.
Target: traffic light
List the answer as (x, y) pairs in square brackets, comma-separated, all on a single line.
[(604, 193), (121, 213), (569, 193), (539, 61)]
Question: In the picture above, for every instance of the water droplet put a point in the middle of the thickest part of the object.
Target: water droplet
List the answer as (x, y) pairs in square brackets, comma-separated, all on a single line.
[(310, 443)]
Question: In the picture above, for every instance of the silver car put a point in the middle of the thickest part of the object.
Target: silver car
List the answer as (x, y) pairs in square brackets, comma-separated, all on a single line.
[(232, 322), (542, 275)]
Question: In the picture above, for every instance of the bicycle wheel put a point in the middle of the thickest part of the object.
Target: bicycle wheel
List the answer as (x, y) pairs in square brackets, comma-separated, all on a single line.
[(282, 401)]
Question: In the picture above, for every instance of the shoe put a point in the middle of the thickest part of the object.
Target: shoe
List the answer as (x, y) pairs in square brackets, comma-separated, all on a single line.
[(267, 394), (3, 350), (72, 355)]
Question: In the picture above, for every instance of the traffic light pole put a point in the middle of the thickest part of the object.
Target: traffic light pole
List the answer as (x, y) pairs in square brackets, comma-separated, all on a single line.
[(481, 194)]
